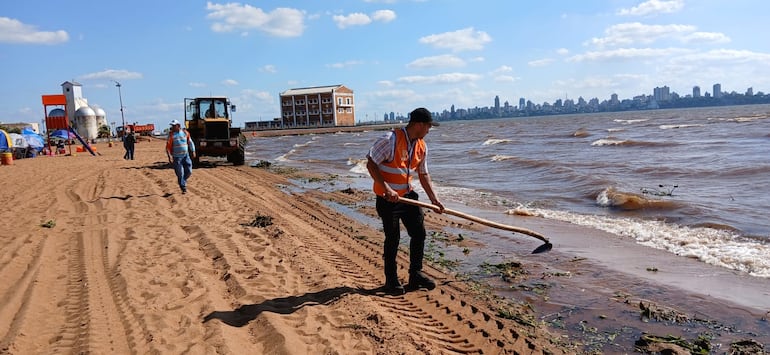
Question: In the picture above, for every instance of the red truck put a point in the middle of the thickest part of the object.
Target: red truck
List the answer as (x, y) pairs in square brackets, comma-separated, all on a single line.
[(141, 129)]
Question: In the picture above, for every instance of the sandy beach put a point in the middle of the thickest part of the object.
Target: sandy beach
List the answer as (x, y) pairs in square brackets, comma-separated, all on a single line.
[(102, 255)]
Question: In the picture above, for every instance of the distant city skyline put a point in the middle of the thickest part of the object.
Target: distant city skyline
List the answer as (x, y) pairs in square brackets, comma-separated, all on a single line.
[(661, 97)]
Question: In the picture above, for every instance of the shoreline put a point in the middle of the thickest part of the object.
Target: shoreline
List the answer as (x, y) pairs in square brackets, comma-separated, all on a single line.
[(130, 260), (319, 130)]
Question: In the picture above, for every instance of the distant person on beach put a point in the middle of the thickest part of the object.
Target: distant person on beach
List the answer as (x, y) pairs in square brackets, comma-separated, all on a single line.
[(392, 162), (179, 147), (128, 142)]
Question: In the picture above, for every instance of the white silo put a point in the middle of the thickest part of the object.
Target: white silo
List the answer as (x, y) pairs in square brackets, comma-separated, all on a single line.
[(101, 118), (85, 119)]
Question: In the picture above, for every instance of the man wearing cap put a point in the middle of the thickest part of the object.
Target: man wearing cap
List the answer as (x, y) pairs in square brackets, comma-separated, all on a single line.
[(392, 162), (179, 147)]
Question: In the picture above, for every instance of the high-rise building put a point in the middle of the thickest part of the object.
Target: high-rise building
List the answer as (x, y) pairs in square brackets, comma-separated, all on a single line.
[(661, 94), (497, 105), (750, 92), (717, 91), (696, 91), (522, 102)]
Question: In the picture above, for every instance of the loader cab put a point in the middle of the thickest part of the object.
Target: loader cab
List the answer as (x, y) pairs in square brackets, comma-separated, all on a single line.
[(206, 108)]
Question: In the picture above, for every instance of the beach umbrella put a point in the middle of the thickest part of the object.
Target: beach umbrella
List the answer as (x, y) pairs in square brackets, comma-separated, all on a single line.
[(34, 140), (5, 140), (63, 134)]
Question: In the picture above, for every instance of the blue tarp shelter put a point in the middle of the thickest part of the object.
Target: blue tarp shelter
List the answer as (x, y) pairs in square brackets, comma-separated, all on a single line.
[(5, 141), (34, 140)]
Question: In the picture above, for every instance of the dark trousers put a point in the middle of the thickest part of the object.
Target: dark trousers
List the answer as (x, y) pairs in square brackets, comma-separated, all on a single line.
[(413, 219), (129, 153)]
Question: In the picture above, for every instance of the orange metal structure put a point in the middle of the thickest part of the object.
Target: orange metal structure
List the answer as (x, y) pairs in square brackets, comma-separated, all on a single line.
[(54, 123)]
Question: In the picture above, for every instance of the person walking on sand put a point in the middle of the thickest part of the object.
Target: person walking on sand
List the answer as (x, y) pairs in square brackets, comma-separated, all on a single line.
[(179, 147), (129, 140), (392, 162)]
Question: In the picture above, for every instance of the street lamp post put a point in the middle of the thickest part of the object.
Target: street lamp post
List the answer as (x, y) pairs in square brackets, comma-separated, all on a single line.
[(120, 96)]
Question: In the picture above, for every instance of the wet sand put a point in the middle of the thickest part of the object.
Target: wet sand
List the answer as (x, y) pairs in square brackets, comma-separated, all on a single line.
[(103, 255)]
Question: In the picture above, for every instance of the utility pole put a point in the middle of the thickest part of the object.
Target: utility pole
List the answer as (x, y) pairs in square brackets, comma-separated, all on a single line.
[(120, 96)]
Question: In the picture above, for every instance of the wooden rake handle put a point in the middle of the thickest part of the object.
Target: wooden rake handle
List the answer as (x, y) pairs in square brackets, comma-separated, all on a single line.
[(479, 220)]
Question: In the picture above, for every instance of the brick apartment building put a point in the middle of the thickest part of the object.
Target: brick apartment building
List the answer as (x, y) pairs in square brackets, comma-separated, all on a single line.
[(321, 106)]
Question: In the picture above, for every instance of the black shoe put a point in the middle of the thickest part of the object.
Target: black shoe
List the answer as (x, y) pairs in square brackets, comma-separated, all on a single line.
[(184, 191), (393, 288), (419, 280)]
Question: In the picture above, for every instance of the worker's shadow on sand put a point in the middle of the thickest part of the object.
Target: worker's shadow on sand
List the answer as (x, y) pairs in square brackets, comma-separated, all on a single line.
[(285, 305)]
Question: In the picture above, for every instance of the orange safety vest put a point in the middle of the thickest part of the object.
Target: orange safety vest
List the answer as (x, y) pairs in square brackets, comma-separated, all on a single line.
[(399, 171)]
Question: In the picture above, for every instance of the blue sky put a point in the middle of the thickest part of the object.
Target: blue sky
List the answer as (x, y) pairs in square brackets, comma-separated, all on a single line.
[(395, 54)]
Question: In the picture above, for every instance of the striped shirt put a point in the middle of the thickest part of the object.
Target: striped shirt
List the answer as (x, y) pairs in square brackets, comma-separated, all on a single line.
[(179, 144)]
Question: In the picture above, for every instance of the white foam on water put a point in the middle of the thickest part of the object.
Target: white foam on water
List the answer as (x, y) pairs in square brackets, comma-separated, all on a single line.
[(674, 126), (622, 121), (500, 157), (495, 141), (603, 142), (358, 166), (712, 246)]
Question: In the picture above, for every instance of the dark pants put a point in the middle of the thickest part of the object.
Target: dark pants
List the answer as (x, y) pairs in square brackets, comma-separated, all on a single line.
[(412, 218), (129, 153)]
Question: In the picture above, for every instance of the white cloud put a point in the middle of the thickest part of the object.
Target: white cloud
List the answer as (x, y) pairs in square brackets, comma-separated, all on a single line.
[(540, 62), (281, 22), (354, 19), (394, 94), (384, 15), (653, 7), (502, 69), (111, 74), (706, 37), (448, 78), (505, 79), (632, 33), (626, 54), (361, 19), (439, 61), (345, 64), (230, 82), (562, 51), (460, 40), (726, 56), (14, 31), (269, 68)]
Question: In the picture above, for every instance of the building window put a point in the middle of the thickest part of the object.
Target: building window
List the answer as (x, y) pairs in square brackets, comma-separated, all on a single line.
[(300, 102), (339, 101), (347, 101)]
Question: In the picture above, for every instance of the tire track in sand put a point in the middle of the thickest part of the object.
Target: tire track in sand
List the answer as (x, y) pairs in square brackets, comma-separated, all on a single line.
[(98, 318), (438, 317)]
